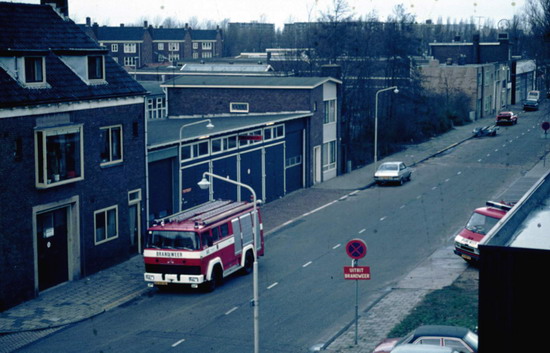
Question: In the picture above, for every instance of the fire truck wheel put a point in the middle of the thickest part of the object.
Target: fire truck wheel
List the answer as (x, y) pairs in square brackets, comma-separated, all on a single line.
[(248, 263), (216, 281)]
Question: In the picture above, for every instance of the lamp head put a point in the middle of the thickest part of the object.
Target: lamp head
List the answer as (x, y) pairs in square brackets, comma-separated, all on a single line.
[(395, 90), (210, 126), (204, 183)]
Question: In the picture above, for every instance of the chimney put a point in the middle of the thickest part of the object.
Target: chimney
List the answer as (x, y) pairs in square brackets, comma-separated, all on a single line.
[(61, 6), (88, 22), (476, 53), (145, 25)]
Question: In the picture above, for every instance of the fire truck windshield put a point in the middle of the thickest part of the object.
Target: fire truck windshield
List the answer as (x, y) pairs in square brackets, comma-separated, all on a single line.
[(480, 224), (173, 240)]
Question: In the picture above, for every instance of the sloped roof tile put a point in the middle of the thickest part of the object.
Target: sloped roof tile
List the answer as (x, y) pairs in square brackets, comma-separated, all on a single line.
[(27, 27)]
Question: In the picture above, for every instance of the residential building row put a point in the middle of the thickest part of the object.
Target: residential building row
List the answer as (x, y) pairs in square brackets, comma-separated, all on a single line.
[(137, 46)]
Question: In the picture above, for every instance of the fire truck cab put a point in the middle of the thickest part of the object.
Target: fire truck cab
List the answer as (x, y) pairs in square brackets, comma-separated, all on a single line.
[(203, 245), (481, 221)]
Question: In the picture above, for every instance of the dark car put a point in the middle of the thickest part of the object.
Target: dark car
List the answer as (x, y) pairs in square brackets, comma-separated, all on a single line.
[(507, 118), (530, 105), (456, 337)]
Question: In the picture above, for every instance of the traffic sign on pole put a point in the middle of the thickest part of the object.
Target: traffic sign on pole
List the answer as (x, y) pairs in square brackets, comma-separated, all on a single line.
[(356, 249), (357, 272)]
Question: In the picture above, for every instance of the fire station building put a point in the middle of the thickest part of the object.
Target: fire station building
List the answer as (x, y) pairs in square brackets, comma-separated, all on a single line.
[(275, 134)]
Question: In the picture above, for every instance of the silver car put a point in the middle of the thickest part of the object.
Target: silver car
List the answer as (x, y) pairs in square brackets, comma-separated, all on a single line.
[(389, 172)]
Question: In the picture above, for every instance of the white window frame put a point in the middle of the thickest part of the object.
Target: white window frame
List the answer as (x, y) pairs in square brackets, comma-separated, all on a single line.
[(101, 77), (329, 155), (112, 159), (160, 46), (330, 111), (130, 48), (195, 45), (239, 107), (226, 143), (130, 61), (45, 176), (245, 142), (274, 132), (206, 45), (173, 46), (106, 212), (114, 48), (42, 66), (206, 54), (173, 57), (194, 150)]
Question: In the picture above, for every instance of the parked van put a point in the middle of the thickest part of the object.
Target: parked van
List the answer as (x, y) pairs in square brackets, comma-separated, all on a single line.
[(533, 96)]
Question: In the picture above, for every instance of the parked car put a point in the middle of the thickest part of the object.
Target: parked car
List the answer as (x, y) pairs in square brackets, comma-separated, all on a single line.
[(507, 118), (389, 172), (531, 105), (459, 338), (417, 348), (533, 95), (490, 130)]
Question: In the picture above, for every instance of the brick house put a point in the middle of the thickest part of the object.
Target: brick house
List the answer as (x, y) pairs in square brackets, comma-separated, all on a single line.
[(521, 73), (487, 85), (145, 45), (72, 134)]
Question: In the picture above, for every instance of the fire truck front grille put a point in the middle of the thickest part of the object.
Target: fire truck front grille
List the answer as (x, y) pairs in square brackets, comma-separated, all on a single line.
[(173, 269)]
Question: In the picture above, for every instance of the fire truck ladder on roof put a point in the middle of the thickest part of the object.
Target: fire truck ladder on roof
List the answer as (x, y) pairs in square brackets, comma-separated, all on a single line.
[(221, 212), (192, 212)]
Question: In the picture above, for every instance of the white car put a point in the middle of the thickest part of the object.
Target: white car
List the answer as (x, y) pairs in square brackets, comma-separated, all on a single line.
[(389, 172)]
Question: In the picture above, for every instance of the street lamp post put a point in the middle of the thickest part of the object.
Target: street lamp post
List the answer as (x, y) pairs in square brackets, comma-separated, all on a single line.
[(395, 90), (205, 184), (209, 126)]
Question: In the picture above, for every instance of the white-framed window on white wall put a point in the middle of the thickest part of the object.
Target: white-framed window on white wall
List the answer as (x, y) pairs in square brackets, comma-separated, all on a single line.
[(329, 155), (330, 111)]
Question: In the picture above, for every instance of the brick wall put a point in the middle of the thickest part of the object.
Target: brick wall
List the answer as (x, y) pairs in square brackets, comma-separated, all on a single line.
[(101, 187)]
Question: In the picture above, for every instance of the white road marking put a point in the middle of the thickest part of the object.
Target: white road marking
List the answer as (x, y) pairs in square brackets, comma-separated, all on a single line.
[(273, 285), (307, 264), (231, 310), (336, 246), (362, 230), (318, 208), (178, 342)]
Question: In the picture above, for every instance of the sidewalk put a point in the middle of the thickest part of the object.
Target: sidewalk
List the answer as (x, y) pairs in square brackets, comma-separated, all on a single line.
[(78, 300)]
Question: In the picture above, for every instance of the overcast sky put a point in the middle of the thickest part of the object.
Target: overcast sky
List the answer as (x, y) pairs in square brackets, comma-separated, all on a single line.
[(114, 12)]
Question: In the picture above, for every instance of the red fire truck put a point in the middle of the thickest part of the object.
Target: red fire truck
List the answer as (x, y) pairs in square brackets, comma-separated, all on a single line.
[(202, 245), (481, 221)]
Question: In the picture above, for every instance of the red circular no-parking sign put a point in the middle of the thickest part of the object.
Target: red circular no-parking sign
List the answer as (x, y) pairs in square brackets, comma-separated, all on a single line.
[(356, 249), (545, 125)]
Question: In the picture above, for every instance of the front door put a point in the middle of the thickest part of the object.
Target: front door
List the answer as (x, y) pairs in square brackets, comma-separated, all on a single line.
[(53, 259)]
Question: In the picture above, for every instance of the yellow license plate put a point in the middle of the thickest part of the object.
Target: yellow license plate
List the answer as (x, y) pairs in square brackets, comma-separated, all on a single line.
[(161, 284), (466, 257)]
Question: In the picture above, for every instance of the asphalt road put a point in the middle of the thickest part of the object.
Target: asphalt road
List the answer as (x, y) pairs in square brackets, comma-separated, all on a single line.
[(304, 299)]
